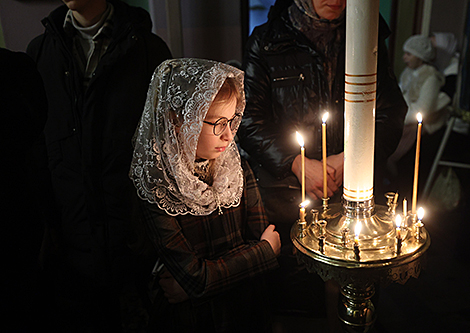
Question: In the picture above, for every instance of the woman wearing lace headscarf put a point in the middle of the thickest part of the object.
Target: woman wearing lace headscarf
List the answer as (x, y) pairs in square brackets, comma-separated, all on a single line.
[(200, 204), (294, 73)]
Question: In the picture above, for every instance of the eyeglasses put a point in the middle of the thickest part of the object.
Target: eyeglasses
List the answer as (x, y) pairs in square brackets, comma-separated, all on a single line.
[(221, 124)]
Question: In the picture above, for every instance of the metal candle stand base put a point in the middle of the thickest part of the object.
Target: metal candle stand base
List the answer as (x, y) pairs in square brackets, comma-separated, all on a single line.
[(325, 244)]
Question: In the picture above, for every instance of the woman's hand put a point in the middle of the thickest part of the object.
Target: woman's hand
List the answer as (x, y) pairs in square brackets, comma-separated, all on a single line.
[(171, 288), (273, 239), (314, 177), (336, 162)]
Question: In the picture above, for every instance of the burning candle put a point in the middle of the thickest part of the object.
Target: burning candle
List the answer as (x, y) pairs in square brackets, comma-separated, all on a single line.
[(300, 140), (398, 225), (415, 180), (323, 135), (357, 231), (420, 214), (302, 210)]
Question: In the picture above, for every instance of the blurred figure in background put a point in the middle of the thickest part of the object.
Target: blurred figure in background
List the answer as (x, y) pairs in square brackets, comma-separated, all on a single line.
[(446, 59), (96, 59), (421, 85), (26, 196)]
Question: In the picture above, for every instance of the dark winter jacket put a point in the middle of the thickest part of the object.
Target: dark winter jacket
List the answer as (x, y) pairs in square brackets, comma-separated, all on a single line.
[(88, 133), (287, 91)]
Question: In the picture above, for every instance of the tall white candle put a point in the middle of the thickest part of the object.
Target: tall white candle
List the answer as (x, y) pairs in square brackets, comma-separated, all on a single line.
[(362, 17)]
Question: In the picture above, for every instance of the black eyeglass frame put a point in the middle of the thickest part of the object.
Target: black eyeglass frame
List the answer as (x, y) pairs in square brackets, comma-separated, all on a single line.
[(229, 123)]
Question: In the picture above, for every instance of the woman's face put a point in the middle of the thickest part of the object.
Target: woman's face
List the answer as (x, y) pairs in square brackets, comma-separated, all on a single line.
[(210, 146), (411, 60), (329, 9)]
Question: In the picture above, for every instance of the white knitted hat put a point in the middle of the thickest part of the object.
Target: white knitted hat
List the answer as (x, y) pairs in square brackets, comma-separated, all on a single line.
[(421, 47)]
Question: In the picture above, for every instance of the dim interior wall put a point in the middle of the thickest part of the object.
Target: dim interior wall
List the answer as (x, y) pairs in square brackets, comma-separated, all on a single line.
[(2, 40), (405, 22), (211, 29), (448, 16), (21, 20), (157, 10), (139, 3)]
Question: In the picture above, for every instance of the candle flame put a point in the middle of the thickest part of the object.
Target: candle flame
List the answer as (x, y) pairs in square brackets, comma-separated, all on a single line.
[(357, 228), (420, 213), (304, 203), (300, 139), (398, 221), (419, 117), (325, 117)]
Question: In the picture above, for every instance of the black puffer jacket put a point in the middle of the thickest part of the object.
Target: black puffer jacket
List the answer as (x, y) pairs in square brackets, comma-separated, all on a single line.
[(287, 90), (88, 133)]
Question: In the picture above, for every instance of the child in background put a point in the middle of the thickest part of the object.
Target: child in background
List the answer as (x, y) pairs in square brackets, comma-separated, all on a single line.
[(200, 202), (420, 83)]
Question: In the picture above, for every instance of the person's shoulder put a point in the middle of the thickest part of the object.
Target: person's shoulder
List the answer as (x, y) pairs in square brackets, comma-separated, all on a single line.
[(8, 56), (384, 29), (16, 61), (276, 22), (34, 45), (245, 164), (429, 70), (429, 73)]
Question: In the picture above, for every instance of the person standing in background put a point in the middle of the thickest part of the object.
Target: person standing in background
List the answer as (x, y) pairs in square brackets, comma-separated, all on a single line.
[(421, 85), (26, 197), (96, 59), (447, 59)]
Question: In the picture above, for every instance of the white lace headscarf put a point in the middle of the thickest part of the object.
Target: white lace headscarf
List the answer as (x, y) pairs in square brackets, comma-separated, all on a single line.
[(165, 143)]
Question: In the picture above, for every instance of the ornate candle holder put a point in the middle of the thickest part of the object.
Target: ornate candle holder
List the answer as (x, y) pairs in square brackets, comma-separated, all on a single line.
[(379, 256)]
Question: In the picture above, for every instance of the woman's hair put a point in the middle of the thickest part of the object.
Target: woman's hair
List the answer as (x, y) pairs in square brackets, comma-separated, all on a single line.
[(227, 92)]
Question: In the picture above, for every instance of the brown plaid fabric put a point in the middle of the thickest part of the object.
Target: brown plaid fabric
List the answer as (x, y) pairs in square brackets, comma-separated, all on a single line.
[(210, 255)]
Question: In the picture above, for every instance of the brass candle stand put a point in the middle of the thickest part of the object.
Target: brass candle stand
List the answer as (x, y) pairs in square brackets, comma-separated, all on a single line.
[(381, 254)]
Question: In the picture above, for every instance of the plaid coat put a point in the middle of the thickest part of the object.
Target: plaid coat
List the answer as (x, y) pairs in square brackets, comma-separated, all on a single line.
[(217, 260)]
